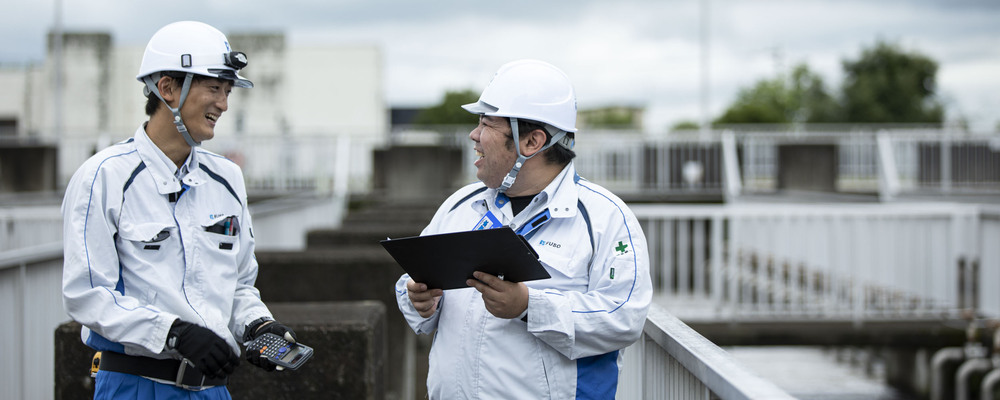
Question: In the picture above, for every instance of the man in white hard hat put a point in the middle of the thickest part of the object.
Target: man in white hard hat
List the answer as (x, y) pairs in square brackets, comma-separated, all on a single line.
[(158, 243), (556, 338)]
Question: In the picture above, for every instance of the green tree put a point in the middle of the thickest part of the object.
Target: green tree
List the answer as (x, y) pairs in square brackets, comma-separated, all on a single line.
[(450, 111), (611, 117), (887, 84), (801, 97), (766, 102), (809, 98), (685, 126)]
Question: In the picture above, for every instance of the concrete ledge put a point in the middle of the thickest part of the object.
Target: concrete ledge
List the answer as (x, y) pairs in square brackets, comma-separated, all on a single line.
[(362, 273), (381, 211), (349, 361), (72, 369), (366, 273)]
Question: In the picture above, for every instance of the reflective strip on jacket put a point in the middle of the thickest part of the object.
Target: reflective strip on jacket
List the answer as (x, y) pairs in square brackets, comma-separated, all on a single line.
[(134, 261), (594, 304)]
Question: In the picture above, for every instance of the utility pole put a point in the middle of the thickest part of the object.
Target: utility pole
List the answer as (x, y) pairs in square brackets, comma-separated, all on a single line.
[(704, 64), (57, 49)]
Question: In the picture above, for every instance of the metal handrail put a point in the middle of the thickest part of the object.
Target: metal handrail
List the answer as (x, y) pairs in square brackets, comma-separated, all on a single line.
[(32, 254), (706, 370)]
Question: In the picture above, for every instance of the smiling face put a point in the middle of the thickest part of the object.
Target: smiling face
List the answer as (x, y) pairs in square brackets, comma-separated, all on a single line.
[(494, 145), (206, 101)]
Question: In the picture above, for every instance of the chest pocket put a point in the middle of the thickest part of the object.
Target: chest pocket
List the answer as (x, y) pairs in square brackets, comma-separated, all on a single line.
[(148, 236), (221, 233)]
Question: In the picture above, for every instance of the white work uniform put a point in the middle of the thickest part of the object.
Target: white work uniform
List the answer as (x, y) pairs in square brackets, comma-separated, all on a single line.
[(135, 260), (594, 304)]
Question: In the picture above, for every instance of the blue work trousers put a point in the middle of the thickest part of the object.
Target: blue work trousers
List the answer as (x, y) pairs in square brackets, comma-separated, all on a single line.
[(118, 386)]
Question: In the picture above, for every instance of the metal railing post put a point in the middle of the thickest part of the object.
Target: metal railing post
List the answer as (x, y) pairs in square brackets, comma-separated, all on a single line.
[(889, 176), (716, 269), (946, 162), (731, 167)]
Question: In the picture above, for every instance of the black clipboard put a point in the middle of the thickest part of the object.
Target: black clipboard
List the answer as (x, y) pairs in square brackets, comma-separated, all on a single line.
[(446, 261)]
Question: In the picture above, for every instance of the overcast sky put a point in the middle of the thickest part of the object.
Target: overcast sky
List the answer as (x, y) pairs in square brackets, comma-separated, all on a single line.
[(633, 52)]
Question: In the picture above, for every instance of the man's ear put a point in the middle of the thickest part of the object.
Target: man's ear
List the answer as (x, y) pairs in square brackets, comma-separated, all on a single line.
[(534, 141), (169, 89)]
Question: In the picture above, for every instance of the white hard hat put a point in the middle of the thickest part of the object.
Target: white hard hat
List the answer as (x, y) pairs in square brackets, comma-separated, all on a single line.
[(529, 89), (193, 47)]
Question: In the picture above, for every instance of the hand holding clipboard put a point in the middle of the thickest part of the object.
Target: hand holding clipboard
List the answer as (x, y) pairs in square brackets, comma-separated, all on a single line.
[(446, 261)]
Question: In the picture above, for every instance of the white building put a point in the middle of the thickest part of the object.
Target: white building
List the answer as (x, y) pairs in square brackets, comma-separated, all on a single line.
[(305, 98)]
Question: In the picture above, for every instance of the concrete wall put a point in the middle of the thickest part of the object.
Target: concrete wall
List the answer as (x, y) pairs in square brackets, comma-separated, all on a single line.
[(260, 110), (416, 172), (13, 104), (337, 90), (360, 273), (27, 168), (348, 340), (808, 167)]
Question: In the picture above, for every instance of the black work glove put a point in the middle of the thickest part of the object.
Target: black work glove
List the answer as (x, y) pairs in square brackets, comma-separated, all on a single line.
[(206, 350), (256, 330)]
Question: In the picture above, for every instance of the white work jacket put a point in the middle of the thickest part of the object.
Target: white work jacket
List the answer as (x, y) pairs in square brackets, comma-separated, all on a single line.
[(593, 305), (135, 260)]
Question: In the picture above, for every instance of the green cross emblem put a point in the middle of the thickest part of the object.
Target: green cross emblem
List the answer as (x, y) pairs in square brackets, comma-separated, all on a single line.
[(621, 247)]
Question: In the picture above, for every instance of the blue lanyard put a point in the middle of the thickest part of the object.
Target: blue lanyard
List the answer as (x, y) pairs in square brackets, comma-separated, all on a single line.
[(490, 221)]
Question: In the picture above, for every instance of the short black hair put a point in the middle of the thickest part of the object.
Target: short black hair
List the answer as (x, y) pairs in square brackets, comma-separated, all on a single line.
[(153, 102), (557, 154)]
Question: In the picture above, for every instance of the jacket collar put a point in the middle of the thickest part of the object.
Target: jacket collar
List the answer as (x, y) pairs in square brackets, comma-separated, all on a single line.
[(559, 197), (562, 194), (162, 169)]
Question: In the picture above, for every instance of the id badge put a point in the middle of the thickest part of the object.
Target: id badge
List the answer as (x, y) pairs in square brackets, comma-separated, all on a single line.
[(488, 221)]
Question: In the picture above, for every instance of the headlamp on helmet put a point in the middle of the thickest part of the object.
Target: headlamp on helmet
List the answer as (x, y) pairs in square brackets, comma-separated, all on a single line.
[(236, 59)]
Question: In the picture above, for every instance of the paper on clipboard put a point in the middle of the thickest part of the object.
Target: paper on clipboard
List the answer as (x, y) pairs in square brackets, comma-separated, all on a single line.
[(446, 261)]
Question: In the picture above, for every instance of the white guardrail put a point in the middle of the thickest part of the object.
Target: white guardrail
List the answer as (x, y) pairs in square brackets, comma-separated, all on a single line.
[(317, 163), (888, 162), (27, 226), (31, 308), (837, 260)]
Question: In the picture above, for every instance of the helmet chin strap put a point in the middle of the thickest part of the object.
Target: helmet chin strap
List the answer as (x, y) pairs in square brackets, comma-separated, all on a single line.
[(178, 122), (512, 175)]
